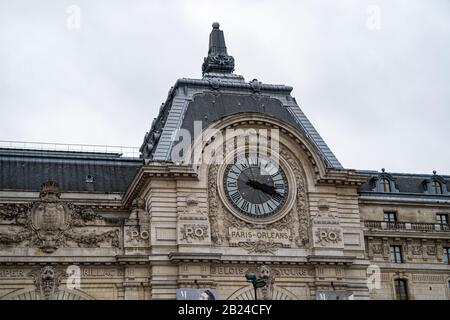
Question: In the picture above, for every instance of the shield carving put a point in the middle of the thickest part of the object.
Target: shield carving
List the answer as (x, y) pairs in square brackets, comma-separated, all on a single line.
[(49, 221)]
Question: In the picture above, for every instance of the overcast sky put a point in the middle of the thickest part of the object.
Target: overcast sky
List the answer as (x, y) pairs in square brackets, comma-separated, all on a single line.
[(372, 76)]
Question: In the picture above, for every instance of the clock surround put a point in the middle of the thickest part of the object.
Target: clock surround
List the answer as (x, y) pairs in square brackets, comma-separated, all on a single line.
[(282, 174)]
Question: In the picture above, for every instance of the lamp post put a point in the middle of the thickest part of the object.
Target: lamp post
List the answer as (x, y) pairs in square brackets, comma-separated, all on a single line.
[(256, 281)]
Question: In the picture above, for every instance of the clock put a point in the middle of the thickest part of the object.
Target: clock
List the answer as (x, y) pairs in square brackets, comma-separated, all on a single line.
[(255, 186)]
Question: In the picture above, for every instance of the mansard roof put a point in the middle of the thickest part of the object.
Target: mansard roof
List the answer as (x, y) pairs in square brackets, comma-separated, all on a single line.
[(406, 183), (26, 170), (221, 93)]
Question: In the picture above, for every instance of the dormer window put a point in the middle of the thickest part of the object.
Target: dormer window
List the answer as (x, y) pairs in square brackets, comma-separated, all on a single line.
[(384, 182), (435, 185), (385, 185)]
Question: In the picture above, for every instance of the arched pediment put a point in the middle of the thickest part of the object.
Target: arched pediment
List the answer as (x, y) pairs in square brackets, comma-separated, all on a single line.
[(248, 293), (289, 137)]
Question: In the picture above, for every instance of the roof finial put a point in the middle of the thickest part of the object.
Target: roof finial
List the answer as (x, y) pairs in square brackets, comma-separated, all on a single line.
[(434, 172), (218, 60), (383, 169)]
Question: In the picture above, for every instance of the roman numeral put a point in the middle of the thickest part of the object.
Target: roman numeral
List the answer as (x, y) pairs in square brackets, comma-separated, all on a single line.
[(244, 205), (258, 209), (235, 197), (254, 162), (278, 198), (243, 165), (231, 184), (234, 172), (275, 174), (279, 185)]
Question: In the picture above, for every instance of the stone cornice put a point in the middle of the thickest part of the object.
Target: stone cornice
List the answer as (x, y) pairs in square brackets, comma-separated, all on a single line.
[(341, 177), (156, 170)]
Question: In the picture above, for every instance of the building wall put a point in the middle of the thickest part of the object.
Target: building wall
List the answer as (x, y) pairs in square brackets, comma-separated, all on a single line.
[(421, 240)]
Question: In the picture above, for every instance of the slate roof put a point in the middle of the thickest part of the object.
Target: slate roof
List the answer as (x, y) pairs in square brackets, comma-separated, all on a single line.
[(221, 93), (26, 170), (406, 183)]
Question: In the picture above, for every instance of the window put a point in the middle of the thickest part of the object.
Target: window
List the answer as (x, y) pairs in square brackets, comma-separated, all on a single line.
[(401, 289), (446, 257), (385, 185), (442, 218), (436, 187), (390, 217), (396, 254)]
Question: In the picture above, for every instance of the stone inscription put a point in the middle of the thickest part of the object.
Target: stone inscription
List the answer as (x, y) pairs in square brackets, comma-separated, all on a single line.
[(238, 235), (101, 273), (280, 271), (11, 273)]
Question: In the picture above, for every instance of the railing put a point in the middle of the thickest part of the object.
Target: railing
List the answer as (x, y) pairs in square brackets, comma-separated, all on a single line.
[(131, 152), (413, 226)]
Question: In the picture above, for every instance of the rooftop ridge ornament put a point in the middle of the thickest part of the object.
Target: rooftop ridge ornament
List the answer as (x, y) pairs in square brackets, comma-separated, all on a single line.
[(218, 60)]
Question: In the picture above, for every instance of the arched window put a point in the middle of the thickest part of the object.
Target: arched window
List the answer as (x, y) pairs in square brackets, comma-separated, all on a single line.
[(385, 185), (436, 187), (401, 289), (383, 182)]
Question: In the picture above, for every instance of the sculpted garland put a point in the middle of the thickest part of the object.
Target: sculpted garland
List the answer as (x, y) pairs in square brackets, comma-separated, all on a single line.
[(50, 223)]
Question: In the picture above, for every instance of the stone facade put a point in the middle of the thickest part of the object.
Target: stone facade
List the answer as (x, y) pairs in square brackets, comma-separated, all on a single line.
[(100, 226)]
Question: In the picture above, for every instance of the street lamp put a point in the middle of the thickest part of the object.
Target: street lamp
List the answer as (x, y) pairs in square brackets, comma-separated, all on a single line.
[(256, 282)]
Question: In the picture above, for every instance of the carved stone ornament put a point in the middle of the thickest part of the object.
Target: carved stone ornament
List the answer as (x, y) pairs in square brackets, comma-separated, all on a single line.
[(377, 248), (292, 228), (326, 236), (192, 211), (260, 246), (416, 250), (431, 250), (191, 232), (47, 281), (49, 223)]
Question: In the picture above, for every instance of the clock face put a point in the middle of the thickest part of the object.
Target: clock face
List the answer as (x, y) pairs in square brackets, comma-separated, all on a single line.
[(256, 186)]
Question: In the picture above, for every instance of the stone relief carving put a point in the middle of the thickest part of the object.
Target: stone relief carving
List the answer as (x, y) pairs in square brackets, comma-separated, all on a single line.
[(266, 292), (325, 236), (191, 232), (49, 223), (326, 228), (301, 219), (377, 248), (295, 224), (214, 206), (192, 211), (47, 281), (431, 250), (260, 246), (193, 223), (416, 250)]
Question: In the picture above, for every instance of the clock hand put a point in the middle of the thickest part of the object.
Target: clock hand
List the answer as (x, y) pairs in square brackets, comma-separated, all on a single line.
[(270, 190)]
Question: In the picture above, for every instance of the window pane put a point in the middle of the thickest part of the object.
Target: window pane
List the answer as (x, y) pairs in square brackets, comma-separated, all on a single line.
[(385, 186), (437, 188), (446, 256), (390, 217), (401, 290), (396, 254)]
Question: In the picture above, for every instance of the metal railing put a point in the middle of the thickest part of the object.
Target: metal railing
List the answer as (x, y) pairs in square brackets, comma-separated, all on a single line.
[(129, 152), (413, 226)]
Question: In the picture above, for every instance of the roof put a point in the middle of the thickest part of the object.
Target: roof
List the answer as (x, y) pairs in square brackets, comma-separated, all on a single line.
[(221, 93), (26, 170), (405, 183)]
